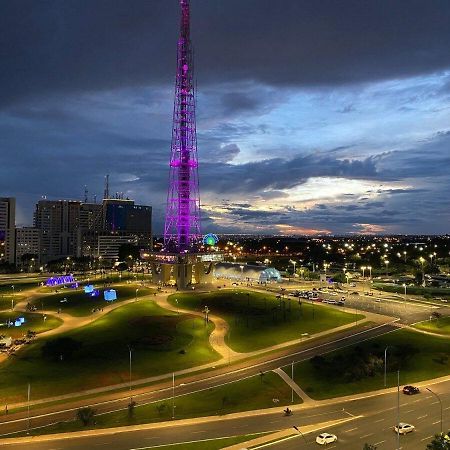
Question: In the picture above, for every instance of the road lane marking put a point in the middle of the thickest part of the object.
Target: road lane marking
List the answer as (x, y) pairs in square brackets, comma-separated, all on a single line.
[(366, 436), (422, 417), (378, 443), (379, 420), (351, 429), (448, 407), (435, 423), (427, 438), (409, 410), (434, 403)]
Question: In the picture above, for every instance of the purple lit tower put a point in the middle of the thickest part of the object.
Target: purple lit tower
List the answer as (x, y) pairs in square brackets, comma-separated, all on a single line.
[(182, 227)]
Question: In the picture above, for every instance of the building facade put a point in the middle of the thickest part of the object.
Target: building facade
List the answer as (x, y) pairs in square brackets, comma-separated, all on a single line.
[(7, 225)]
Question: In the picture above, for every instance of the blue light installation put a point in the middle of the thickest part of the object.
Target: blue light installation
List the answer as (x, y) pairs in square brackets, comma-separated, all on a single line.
[(110, 295), (58, 281)]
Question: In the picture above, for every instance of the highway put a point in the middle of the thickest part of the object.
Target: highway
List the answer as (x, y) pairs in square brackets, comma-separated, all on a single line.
[(371, 420)]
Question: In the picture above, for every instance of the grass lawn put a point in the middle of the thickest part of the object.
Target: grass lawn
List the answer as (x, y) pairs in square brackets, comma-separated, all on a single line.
[(162, 342), (252, 393), (429, 358), (33, 321), (439, 326), (260, 320), (80, 304)]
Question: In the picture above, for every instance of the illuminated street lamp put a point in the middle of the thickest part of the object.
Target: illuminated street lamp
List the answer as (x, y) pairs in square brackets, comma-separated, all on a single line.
[(363, 268), (387, 264), (422, 260), (293, 263), (404, 255), (404, 285)]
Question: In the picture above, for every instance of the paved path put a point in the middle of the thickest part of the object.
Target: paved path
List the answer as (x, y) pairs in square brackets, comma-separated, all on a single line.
[(292, 384)]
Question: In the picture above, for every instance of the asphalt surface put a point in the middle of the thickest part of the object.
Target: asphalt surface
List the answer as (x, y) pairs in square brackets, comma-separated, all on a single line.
[(53, 414), (375, 426)]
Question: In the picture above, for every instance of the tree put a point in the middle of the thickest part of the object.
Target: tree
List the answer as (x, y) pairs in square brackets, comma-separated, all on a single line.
[(60, 348), (86, 415), (440, 442)]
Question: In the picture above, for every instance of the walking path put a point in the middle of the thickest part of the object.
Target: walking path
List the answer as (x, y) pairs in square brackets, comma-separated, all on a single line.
[(216, 339), (293, 385)]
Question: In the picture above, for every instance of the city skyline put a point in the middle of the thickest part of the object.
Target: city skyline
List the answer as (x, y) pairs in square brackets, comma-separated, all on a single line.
[(312, 118)]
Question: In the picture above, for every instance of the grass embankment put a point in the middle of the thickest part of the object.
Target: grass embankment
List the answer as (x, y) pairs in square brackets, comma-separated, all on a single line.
[(161, 341), (438, 326), (33, 322), (427, 292), (260, 320), (257, 392), (79, 304), (360, 368)]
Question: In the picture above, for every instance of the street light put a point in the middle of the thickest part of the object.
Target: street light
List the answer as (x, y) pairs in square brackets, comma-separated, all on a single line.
[(387, 264), (363, 268), (422, 260), (404, 285), (176, 301), (131, 398), (12, 298), (370, 271), (293, 263), (440, 403), (385, 364)]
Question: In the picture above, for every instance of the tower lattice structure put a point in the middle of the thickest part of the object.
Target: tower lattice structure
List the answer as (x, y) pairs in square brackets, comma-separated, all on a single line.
[(182, 226)]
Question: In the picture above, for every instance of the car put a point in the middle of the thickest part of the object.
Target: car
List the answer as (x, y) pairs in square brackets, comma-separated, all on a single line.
[(404, 428), (235, 284), (342, 299), (369, 294), (326, 438), (330, 301), (354, 293), (410, 390), (353, 284), (340, 303), (333, 293)]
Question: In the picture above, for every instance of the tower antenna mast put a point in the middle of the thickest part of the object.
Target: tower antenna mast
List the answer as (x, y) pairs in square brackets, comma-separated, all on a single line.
[(182, 225)]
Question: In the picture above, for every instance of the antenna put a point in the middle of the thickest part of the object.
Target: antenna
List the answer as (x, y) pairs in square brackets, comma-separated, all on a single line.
[(106, 192)]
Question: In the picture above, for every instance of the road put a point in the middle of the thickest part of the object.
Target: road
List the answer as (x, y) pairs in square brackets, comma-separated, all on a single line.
[(378, 416), (224, 374)]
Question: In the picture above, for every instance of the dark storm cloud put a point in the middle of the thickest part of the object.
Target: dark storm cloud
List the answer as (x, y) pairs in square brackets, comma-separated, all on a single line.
[(277, 173), (86, 45)]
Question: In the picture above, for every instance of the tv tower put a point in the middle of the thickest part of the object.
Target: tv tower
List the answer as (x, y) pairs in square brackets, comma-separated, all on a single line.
[(182, 225)]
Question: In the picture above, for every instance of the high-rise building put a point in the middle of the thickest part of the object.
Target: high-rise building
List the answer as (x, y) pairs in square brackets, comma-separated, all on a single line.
[(28, 247), (7, 225), (58, 221)]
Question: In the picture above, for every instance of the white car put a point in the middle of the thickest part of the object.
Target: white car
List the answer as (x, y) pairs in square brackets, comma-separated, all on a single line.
[(330, 301), (326, 438), (404, 428)]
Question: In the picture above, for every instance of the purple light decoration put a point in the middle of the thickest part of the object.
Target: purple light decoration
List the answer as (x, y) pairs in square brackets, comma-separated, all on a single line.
[(182, 227), (57, 281)]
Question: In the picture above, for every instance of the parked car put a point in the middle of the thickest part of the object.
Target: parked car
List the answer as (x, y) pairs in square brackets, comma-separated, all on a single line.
[(404, 428), (326, 438), (410, 390), (354, 293), (330, 301), (369, 293), (340, 303)]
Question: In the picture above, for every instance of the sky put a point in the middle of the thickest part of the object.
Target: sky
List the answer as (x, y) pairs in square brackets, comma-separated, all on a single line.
[(313, 117)]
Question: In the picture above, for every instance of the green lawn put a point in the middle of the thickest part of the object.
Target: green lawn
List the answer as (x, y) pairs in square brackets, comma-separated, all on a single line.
[(33, 321), (439, 326), (260, 320), (80, 304), (427, 357), (252, 393), (162, 342)]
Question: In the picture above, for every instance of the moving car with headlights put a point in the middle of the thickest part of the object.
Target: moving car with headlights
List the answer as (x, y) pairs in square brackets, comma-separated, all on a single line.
[(410, 390)]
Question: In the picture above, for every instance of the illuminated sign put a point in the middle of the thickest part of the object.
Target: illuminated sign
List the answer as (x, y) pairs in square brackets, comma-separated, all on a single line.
[(88, 288), (210, 239)]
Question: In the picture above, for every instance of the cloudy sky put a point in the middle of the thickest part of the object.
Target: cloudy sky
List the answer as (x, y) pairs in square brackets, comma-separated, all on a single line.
[(314, 116)]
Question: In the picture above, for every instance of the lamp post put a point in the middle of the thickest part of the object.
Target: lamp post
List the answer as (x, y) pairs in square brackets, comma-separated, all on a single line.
[(387, 264), (404, 256), (242, 272), (293, 263), (404, 285), (385, 364), (129, 384), (12, 298), (398, 409), (135, 298), (173, 395), (440, 403), (176, 301), (363, 268), (422, 260), (292, 377)]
